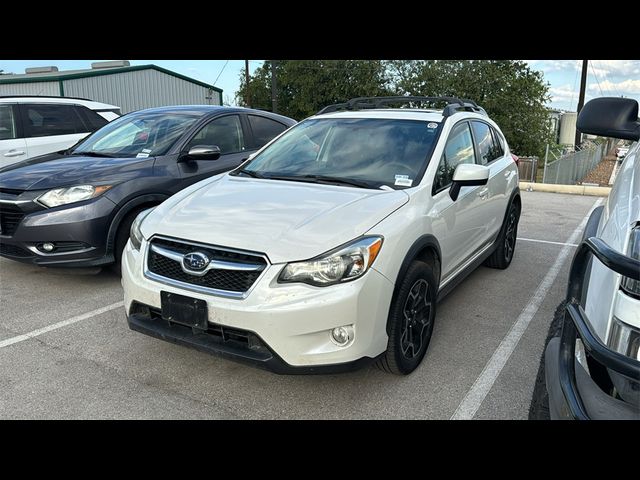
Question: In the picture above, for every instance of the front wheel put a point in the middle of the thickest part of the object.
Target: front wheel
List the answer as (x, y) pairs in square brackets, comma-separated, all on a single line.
[(503, 254), (411, 320)]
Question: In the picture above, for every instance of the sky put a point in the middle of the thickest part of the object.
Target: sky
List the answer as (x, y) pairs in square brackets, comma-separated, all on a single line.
[(605, 77)]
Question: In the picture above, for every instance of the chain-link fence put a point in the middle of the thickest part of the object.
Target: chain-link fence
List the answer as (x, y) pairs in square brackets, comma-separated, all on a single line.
[(570, 168)]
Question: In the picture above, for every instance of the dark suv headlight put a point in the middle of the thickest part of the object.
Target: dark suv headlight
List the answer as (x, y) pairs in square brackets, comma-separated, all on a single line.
[(629, 285)]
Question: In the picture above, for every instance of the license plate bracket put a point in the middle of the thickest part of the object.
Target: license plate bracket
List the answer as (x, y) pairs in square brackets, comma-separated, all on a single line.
[(188, 311)]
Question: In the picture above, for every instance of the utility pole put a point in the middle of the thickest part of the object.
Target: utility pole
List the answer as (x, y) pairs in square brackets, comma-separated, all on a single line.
[(247, 95), (274, 87), (583, 87)]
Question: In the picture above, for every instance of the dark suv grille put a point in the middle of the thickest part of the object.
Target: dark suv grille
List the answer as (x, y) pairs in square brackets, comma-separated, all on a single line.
[(10, 218), (236, 281), (14, 251)]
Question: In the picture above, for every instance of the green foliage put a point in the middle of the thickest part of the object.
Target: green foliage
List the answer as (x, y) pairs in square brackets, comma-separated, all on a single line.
[(512, 94), (306, 86)]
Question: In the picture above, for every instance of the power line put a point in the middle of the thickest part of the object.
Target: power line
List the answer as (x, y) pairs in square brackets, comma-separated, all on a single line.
[(223, 67), (612, 85), (598, 81)]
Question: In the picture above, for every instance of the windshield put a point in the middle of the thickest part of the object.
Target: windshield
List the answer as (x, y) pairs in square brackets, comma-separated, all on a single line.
[(137, 135), (375, 151)]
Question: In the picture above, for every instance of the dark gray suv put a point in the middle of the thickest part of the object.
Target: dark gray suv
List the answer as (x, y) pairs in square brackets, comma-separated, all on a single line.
[(74, 208)]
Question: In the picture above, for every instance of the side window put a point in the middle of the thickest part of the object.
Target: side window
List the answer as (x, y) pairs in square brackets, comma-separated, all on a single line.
[(7, 123), (498, 144), (91, 118), (264, 129), (459, 149), (225, 132), (486, 150), (46, 120)]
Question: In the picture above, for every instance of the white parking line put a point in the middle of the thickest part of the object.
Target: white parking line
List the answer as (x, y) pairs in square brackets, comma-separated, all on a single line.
[(546, 241), (481, 387), (55, 326)]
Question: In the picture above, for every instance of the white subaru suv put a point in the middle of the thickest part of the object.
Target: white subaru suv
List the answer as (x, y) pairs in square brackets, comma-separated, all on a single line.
[(331, 246)]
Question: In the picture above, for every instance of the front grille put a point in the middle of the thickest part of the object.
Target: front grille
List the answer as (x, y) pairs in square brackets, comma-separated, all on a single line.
[(14, 251), (227, 280), (10, 218)]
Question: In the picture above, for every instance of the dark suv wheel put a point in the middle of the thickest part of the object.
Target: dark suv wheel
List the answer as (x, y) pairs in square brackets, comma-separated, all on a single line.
[(411, 320)]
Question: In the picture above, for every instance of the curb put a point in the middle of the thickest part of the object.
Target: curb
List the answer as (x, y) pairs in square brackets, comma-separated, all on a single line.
[(571, 189)]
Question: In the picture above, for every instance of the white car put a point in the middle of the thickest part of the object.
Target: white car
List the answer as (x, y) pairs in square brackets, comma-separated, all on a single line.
[(330, 247), (33, 126), (592, 364)]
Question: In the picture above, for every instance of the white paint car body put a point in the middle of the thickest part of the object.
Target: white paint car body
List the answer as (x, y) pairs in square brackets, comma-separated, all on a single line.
[(24, 147), (290, 221), (621, 213)]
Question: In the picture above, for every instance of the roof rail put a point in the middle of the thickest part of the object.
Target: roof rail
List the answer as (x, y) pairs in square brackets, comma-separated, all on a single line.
[(360, 103), (47, 96)]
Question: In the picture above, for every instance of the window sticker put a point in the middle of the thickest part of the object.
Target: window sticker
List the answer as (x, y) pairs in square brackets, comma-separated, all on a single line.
[(142, 155), (432, 125), (403, 181)]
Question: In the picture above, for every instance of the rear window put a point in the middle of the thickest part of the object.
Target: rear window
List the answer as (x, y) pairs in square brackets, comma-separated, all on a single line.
[(93, 120), (264, 129), (49, 120)]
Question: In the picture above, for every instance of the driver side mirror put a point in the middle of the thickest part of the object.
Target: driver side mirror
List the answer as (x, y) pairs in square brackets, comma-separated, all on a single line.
[(203, 152), (610, 117), (468, 175)]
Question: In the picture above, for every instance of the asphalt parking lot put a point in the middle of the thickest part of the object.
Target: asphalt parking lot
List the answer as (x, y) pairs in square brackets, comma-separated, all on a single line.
[(66, 350)]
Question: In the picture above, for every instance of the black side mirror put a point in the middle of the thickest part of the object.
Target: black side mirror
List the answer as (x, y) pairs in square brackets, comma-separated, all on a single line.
[(610, 117), (203, 152)]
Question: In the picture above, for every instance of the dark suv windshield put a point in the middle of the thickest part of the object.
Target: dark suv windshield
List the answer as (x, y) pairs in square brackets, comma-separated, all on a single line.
[(137, 135), (374, 151)]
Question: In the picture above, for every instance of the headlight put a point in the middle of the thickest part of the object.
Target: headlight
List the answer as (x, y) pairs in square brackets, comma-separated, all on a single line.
[(630, 285), (337, 266), (135, 235), (77, 193)]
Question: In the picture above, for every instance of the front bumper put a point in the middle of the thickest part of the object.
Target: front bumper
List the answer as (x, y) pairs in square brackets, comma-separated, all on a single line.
[(573, 394), (289, 324), (81, 229)]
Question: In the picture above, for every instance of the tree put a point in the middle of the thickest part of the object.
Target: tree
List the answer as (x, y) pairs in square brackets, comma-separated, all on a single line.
[(513, 95), (306, 86)]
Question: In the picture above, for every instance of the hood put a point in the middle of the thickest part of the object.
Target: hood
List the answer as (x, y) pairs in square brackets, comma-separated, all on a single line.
[(287, 221), (57, 170)]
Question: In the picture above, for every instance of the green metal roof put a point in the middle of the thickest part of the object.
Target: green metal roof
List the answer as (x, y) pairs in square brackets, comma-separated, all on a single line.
[(71, 74)]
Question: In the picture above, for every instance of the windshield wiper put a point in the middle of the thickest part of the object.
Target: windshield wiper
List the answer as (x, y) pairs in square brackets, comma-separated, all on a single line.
[(250, 173), (339, 181), (92, 154)]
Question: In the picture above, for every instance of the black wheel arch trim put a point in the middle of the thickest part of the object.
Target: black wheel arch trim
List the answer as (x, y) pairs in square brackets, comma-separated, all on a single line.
[(425, 241), (128, 208)]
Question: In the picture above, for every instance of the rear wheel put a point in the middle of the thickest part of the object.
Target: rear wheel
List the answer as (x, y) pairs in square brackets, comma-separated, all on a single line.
[(503, 254), (411, 320)]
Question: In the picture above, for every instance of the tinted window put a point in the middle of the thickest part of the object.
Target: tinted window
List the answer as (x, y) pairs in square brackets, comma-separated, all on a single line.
[(458, 150), (489, 148), (91, 118), (374, 151), (7, 123), (264, 129), (47, 120), (499, 143), (225, 132)]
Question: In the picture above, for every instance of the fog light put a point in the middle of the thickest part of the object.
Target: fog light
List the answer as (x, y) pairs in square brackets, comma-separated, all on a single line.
[(341, 336), (48, 247)]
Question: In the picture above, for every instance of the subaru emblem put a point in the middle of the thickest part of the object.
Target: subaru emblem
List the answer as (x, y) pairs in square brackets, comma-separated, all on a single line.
[(195, 261)]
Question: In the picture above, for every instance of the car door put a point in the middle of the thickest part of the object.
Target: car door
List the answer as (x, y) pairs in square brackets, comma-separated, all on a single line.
[(491, 154), (50, 127), (458, 224), (228, 134), (13, 148)]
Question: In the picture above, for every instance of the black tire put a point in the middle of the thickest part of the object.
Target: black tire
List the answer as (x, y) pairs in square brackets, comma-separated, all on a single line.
[(503, 254), (539, 407), (413, 307), (122, 237)]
